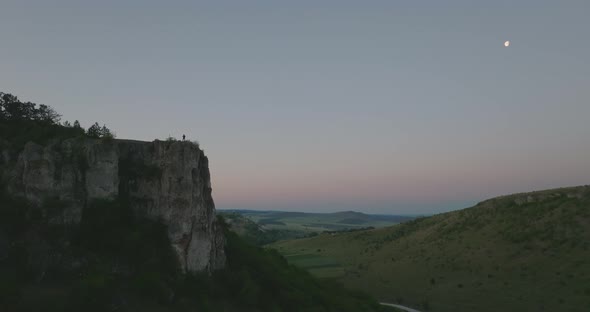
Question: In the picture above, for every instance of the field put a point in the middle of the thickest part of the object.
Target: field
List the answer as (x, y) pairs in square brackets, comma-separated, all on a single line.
[(307, 223), (524, 252), (319, 265)]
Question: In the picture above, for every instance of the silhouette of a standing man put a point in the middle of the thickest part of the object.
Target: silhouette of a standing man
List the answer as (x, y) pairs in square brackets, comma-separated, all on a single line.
[(183, 137)]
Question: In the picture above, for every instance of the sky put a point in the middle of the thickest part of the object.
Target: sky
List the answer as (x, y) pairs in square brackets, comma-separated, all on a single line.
[(397, 107)]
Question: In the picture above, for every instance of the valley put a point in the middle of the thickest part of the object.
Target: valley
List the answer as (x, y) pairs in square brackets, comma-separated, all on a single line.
[(520, 252), (263, 227)]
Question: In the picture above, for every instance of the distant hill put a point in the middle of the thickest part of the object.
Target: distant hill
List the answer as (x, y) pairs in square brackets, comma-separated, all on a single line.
[(300, 224), (522, 252), (265, 227), (253, 232)]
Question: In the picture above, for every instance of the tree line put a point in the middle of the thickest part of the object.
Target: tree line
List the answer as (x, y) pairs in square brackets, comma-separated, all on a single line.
[(14, 110)]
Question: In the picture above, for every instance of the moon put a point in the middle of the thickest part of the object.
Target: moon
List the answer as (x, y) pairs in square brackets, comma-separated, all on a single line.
[(507, 43)]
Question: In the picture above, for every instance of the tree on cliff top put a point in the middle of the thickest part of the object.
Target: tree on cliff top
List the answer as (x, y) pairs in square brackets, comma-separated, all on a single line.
[(96, 131), (22, 122)]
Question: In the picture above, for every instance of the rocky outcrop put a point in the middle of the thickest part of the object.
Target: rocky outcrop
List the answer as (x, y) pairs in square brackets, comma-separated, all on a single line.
[(520, 199), (169, 181)]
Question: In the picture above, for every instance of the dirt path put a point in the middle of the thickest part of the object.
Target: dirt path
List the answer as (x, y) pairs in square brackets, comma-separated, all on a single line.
[(401, 307)]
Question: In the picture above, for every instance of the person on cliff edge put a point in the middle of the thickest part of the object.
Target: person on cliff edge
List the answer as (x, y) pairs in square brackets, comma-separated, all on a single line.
[(183, 137)]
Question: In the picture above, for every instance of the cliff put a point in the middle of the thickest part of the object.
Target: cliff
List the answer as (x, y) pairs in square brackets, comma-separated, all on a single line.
[(168, 181)]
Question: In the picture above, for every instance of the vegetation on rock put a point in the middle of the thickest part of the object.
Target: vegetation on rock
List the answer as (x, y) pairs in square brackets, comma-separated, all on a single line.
[(22, 122)]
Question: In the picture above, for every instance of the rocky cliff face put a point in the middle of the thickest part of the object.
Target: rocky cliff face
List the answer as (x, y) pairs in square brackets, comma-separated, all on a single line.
[(161, 180)]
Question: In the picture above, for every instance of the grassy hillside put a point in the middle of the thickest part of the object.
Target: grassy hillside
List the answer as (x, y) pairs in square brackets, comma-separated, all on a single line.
[(522, 252)]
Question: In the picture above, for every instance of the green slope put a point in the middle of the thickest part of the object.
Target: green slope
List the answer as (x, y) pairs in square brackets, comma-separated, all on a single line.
[(523, 252)]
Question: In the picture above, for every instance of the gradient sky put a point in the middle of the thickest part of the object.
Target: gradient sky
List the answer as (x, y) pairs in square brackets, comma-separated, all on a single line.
[(377, 106)]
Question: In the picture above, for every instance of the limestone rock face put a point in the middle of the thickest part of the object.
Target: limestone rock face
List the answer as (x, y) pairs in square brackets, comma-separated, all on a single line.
[(168, 181), (171, 181)]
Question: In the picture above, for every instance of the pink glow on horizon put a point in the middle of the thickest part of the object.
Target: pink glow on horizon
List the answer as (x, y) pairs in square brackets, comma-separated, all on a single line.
[(443, 186)]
